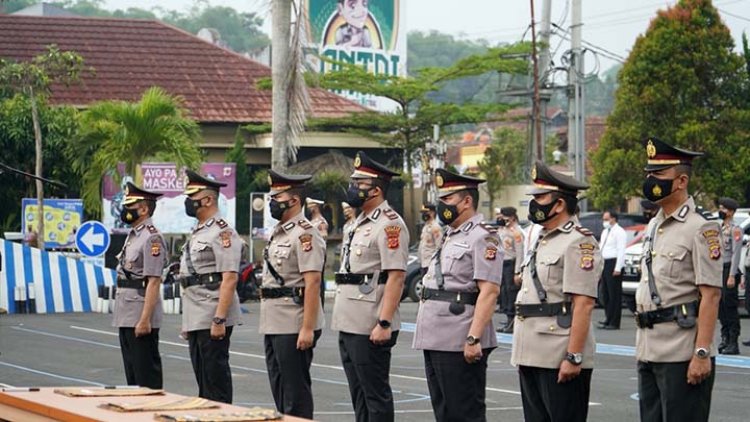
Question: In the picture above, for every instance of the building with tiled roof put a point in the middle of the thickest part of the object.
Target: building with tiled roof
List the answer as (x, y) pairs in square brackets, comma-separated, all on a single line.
[(129, 56)]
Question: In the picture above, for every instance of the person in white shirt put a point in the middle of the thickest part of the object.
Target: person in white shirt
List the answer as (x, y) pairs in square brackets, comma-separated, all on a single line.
[(613, 244)]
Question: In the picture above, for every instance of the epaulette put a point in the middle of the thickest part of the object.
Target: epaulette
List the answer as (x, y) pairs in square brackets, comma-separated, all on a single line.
[(222, 224), (488, 227), (392, 215), (584, 231), (305, 224), (705, 214), (152, 229)]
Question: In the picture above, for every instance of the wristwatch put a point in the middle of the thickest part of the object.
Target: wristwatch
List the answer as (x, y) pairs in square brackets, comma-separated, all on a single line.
[(702, 353), (219, 321), (471, 340), (574, 358), (384, 323)]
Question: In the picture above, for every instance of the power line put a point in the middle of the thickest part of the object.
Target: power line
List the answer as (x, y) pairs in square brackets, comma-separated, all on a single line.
[(733, 15)]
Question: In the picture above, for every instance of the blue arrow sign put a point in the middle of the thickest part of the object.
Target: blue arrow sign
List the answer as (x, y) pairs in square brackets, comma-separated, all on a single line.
[(92, 238)]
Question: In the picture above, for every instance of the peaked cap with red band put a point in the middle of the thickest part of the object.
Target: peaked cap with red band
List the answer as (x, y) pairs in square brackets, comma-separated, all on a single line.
[(283, 182), (547, 180), (134, 194), (197, 183), (367, 168), (661, 155), (448, 183)]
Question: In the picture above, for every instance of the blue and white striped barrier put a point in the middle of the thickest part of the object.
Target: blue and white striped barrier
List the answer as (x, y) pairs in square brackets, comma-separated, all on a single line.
[(56, 283)]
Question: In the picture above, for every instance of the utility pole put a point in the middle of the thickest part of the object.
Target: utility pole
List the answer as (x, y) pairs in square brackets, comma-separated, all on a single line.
[(536, 130), (576, 112), (281, 19), (545, 94)]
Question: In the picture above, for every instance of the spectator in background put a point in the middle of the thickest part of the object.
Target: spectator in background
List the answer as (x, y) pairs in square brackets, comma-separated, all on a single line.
[(316, 216), (613, 244), (430, 238), (31, 237)]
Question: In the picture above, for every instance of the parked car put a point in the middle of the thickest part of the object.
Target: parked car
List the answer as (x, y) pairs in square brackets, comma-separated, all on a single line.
[(413, 281), (593, 222)]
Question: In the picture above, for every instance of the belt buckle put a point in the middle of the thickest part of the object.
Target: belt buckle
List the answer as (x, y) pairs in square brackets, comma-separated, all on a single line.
[(519, 316)]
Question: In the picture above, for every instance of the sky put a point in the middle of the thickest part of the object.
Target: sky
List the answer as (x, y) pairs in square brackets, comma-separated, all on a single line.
[(612, 25)]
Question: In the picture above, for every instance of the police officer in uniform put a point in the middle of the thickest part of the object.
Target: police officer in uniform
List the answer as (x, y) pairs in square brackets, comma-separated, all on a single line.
[(431, 235), (138, 310), (454, 323), (512, 240), (208, 273), (316, 216), (291, 316), (677, 299), (553, 344), (350, 214), (369, 291), (731, 276)]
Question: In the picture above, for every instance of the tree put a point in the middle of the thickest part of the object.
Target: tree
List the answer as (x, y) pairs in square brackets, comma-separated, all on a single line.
[(682, 83), (114, 132), (503, 161), (34, 79), (243, 182), (409, 126)]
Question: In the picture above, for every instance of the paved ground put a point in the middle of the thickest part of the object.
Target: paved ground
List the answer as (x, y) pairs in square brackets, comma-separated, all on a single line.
[(82, 349)]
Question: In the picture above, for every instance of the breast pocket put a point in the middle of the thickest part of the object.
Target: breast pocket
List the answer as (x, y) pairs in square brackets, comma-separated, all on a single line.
[(453, 257), (671, 261), (201, 250), (550, 269), (363, 250)]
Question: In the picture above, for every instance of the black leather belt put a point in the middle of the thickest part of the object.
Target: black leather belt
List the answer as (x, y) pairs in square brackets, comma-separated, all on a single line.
[(349, 278), (467, 298), (200, 279), (133, 283), (678, 313), (278, 292), (541, 309)]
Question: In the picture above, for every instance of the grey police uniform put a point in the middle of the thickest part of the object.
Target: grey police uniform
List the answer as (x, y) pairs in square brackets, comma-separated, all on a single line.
[(682, 253), (428, 242), (470, 253), (213, 248), (728, 308), (143, 255), (378, 243), (295, 247), (512, 240)]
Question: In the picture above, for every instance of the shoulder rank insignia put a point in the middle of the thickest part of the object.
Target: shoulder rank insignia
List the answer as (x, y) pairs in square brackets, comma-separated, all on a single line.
[(222, 224), (306, 242), (226, 238), (305, 224), (152, 229), (392, 215), (493, 240), (393, 233), (288, 226), (488, 227), (584, 231), (490, 253), (703, 213)]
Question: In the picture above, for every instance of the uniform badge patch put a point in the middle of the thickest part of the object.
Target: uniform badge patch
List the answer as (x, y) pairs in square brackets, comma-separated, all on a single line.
[(508, 243), (226, 238), (737, 234), (587, 262), (155, 248), (393, 233), (490, 253), (714, 245), (306, 242)]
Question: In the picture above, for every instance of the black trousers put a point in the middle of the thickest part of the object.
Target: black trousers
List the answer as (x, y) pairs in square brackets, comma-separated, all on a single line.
[(211, 365), (612, 293), (544, 400), (665, 395), (289, 374), (728, 307), (141, 358), (456, 388), (367, 367), (508, 290)]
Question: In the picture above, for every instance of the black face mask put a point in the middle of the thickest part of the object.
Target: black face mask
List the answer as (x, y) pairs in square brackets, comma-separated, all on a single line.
[(191, 206), (447, 213), (425, 216), (657, 189), (128, 215), (540, 213), (722, 215), (277, 208), (356, 196), (501, 222)]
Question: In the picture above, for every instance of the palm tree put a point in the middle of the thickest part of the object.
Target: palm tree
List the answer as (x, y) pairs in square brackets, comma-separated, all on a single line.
[(114, 132)]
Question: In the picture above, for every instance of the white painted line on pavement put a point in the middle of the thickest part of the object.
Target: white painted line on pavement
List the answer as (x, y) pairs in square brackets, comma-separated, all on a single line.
[(49, 374)]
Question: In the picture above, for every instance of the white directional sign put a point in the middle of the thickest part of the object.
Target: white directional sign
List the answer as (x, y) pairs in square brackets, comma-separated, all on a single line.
[(92, 238)]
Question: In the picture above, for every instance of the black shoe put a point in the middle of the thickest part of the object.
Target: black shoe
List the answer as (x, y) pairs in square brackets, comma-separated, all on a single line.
[(731, 349), (746, 343), (609, 327), (722, 344), (601, 324)]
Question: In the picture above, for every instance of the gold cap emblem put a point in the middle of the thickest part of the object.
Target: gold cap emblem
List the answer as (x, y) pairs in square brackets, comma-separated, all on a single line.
[(533, 173), (650, 149), (439, 181), (357, 162)]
